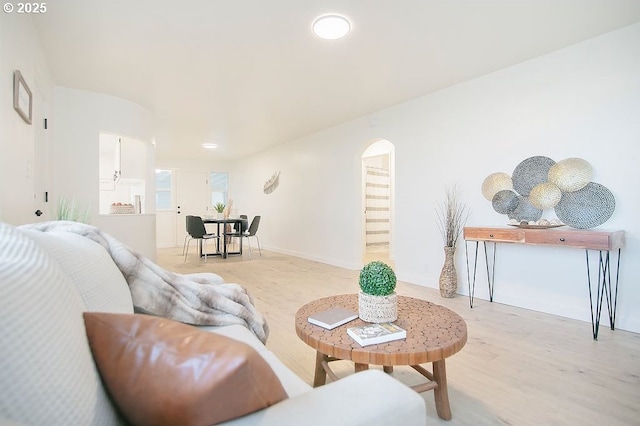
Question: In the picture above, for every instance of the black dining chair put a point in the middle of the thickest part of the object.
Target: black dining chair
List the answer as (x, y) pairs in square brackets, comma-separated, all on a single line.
[(238, 228), (184, 244), (197, 231), (251, 232)]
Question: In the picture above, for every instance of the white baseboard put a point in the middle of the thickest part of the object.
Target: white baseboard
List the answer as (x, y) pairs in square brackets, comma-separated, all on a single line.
[(332, 262)]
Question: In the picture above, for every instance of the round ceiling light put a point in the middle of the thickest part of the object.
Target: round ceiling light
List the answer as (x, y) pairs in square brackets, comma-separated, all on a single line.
[(208, 145), (331, 27)]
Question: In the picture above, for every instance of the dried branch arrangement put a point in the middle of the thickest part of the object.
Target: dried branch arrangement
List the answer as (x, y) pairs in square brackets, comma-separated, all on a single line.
[(452, 216)]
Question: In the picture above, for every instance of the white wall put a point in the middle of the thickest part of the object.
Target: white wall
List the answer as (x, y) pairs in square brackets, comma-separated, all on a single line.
[(583, 101), (72, 170), (80, 116), (19, 49), (202, 164)]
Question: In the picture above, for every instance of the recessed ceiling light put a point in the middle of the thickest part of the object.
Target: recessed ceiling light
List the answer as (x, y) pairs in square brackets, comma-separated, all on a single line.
[(331, 27), (208, 145)]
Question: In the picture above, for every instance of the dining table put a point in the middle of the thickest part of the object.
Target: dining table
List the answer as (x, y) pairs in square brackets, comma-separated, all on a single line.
[(224, 231)]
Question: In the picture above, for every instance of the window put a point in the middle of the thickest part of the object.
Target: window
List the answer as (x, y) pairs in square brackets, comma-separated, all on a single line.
[(163, 189), (219, 186)]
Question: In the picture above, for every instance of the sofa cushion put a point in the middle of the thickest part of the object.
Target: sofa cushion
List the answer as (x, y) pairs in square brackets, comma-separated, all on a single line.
[(163, 372), (48, 375), (90, 267)]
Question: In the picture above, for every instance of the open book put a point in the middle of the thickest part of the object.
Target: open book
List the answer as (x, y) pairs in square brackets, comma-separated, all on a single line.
[(371, 334)]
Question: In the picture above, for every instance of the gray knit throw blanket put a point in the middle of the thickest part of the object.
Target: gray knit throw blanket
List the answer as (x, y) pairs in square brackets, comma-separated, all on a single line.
[(198, 299)]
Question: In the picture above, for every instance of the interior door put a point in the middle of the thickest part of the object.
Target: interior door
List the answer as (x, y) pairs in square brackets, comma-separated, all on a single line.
[(377, 203), (42, 209), (191, 199)]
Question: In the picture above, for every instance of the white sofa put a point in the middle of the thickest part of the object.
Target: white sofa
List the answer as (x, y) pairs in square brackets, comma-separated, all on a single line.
[(48, 375)]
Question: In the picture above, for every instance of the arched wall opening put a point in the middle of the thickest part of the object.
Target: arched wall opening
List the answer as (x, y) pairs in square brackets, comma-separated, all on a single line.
[(378, 194)]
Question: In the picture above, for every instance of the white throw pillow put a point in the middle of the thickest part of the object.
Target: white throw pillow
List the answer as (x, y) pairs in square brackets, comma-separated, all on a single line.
[(48, 376), (91, 269)]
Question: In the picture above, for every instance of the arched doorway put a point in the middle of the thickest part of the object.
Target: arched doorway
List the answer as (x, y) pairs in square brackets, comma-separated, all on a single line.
[(377, 201)]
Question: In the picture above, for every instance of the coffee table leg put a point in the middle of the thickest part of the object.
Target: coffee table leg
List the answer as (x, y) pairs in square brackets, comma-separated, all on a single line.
[(441, 393), (360, 367), (320, 376)]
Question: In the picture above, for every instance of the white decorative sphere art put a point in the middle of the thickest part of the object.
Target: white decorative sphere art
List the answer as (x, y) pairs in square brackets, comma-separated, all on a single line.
[(571, 174), (495, 183), (545, 195)]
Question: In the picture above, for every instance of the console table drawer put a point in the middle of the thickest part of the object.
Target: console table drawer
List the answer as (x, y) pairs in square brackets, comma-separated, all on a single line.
[(494, 234), (575, 239)]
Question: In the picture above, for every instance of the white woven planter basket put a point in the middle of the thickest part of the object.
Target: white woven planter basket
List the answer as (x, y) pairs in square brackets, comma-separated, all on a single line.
[(126, 209), (378, 308)]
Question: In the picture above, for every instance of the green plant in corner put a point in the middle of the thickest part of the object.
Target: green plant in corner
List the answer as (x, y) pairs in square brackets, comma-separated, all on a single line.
[(377, 279), (219, 207), (69, 210)]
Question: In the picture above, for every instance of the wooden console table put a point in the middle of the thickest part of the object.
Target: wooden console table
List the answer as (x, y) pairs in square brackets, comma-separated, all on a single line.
[(602, 241)]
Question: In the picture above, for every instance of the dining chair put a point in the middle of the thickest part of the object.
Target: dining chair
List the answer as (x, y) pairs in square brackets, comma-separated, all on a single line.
[(238, 228), (251, 232), (184, 244), (197, 231)]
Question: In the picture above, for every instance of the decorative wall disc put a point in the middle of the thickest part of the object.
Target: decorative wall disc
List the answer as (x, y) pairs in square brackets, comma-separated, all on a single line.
[(495, 183), (586, 208), (525, 211), (571, 174), (531, 172), (545, 195), (505, 201)]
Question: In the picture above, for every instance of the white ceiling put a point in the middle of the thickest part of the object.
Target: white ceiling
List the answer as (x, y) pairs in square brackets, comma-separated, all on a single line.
[(249, 74)]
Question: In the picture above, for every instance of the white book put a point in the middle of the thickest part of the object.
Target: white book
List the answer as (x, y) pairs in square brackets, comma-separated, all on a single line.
[(332, 318), (372, 334)]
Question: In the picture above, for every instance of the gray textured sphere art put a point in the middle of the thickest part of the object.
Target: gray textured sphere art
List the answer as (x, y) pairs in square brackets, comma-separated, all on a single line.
[(525, 211), (586, 208), (531, 172), (505, 201)]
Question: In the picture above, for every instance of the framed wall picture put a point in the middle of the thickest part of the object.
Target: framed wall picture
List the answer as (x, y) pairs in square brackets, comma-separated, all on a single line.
[(22, 97)]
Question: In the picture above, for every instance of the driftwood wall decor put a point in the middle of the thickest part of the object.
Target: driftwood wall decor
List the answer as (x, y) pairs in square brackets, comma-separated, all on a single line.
[(272, 183)]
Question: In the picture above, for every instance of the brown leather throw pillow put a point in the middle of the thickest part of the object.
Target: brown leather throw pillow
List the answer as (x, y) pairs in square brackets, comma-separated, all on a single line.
[(162, 372)]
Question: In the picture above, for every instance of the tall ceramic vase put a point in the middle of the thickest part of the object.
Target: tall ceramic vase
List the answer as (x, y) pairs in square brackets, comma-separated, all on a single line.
[(448, 276)]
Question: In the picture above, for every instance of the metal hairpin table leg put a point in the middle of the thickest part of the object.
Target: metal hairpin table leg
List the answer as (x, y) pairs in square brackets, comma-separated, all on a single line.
[(491, 268), (491, 271), (604, 290), (471, 284)]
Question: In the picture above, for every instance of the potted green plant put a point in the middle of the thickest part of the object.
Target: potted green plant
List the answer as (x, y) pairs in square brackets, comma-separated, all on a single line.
[(69, 210), (377, 300), (220, 209)]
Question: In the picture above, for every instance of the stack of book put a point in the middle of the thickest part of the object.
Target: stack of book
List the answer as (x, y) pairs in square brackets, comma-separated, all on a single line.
[(367, 334)]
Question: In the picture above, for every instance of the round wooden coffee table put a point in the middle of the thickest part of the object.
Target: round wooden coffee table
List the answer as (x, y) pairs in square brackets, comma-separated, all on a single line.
[(433, 334)]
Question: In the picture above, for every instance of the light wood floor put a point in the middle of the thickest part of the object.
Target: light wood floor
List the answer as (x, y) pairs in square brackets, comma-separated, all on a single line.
[(519, 367)]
